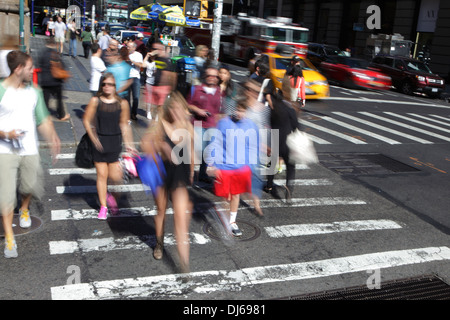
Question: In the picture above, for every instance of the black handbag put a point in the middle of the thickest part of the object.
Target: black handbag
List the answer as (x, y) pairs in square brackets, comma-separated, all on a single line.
[(83, 155)]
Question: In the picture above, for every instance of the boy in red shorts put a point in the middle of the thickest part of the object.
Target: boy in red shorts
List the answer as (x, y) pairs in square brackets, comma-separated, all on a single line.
[(232, 152)]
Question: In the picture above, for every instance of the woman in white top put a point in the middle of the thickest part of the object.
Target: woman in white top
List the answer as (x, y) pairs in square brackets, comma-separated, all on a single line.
[(51, 27), (150, 64), (97, 68)]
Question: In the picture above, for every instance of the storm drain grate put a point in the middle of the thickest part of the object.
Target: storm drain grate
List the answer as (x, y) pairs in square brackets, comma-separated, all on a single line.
[(419, 288), (363, 163)]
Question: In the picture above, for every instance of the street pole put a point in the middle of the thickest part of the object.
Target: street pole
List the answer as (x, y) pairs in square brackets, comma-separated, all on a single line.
[(21, 29), (217, 26)]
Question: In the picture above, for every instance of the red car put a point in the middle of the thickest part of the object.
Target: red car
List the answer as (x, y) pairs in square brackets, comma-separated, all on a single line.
[(147, 32), (354, 73)]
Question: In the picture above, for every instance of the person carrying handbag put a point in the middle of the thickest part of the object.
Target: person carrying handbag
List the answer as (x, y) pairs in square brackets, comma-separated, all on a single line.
[(293, 87)]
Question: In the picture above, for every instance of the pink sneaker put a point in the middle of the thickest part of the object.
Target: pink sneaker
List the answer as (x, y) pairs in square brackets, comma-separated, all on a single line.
[(112, 203), (103, 213)]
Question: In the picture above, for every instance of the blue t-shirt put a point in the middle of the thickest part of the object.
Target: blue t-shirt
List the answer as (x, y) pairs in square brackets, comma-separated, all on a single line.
[(235, 145), (121, 72)]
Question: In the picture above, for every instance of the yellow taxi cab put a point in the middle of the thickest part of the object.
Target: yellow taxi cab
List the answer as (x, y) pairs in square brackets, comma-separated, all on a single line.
[(316, 85)]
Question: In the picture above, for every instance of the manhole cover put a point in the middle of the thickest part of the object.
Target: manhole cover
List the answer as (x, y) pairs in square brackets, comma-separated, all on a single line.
[(419, 288), (216, 230), (35, 224), (363, 163)]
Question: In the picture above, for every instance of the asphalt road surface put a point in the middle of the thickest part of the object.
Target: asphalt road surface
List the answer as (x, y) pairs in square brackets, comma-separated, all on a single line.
[(373, 210)]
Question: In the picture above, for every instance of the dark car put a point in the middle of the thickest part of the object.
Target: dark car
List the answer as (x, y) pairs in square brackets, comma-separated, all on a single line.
[(409, 75), (317, 53), (354, 73)]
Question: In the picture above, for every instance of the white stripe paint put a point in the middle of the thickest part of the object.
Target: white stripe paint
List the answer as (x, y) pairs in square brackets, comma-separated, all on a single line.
[(56, 172), (317, 139), (390, 102), (305, 182), (417, 121), (370, 134), (406, 126), (83, 214), (62, 156), (204, 282), (141, 187), (332, 132), (440, 117), (296, 230), (429, 119), (110, 244), (377, 126), (93, 189)]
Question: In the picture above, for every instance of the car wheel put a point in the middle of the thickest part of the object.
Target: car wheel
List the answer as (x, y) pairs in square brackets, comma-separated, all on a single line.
[(407, 88)]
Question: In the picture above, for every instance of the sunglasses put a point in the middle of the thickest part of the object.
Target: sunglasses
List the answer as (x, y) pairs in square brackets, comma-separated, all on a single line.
[(110, 84)]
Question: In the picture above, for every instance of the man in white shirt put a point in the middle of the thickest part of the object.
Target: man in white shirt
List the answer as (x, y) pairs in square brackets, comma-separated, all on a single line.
[(60, 34), (135, 74), (97, 68), (103, 42), (22, 109)]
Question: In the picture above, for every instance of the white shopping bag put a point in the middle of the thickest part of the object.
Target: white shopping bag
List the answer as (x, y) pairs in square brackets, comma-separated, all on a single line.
[(301, 148)]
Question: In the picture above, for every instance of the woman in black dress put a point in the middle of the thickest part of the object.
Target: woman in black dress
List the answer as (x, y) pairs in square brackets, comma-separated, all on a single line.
[(172, 138), (106, 122)]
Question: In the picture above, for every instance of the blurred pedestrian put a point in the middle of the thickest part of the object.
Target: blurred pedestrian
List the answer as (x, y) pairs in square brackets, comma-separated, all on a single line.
[(104, 40), (259, 113), (60, 29), (205, 103), (136, 61), (97, 69), (165, 78), (179, 167), (22, 110), (51, 85), (112, 49), (201, 56), (262, 75), (150, 67), (106, 122), (293, 87), (73, 42), (100, 34), (50, 27), (284, 119), (231, 170), (121, 71), (228, 90), (87, 39)]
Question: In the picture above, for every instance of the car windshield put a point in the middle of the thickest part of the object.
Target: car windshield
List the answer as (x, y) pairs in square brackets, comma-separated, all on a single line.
[(283, 63), (116, 28), (353, 63), (415, 66), (299, 36), (127, 34), (333, 51)]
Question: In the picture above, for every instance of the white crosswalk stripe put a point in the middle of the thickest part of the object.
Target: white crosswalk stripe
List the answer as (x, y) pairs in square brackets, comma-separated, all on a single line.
[(207, 281)]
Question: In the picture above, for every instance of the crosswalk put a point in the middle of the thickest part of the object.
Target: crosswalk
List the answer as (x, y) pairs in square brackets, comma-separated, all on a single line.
[(377, 127), (327, 196)]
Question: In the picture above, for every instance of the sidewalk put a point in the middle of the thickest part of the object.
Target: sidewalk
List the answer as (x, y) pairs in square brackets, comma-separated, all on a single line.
[(76, 96)]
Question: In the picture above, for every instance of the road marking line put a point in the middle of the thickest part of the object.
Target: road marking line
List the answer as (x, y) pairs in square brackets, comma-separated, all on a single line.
[(296, 230), (390, 102), (429, 119), (368, 123), (417, 121), (401, 124), (83, 214), (65, 156), (370, 134), (55, 172), (332, 132), (111, 244), (439, 117), (204, 282)]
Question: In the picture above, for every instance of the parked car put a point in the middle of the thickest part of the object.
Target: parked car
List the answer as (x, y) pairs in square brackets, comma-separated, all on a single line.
[(147, 32), (121, 35), (409, 75), (114, 27), (316, 84), (317, 53), (354, 73)]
